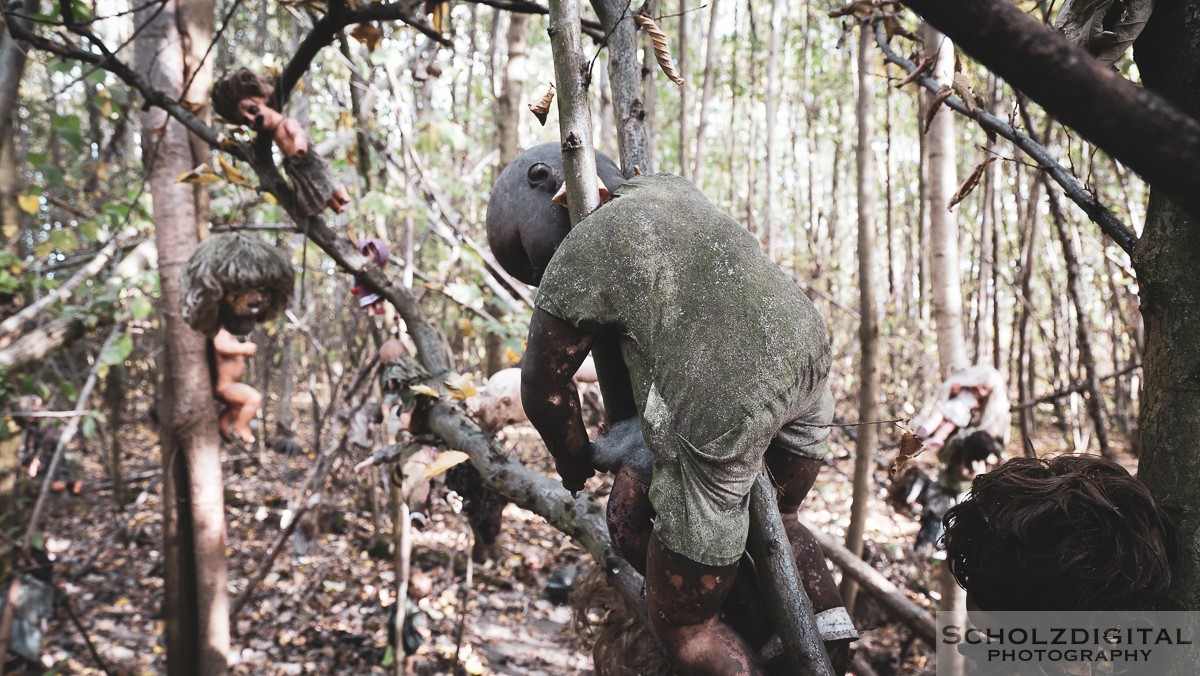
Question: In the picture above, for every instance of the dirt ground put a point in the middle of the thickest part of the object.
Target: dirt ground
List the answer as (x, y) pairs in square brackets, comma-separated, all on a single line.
[(324, 611)]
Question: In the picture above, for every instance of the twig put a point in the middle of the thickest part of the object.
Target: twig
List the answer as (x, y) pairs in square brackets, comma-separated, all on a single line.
[(1120, 233)]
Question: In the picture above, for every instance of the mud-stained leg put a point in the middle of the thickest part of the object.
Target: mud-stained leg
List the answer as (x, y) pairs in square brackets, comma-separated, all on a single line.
[(684, 600)]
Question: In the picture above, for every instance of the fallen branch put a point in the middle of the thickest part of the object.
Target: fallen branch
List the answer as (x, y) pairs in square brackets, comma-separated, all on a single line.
[(1120, 233), (869, 579)]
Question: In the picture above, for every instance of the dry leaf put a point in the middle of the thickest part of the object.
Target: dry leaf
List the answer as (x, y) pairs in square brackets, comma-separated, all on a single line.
[(542, 108), (969, 184), (1105, 28), (192, 107), (425, 390), (368, 34), (910, 447), (201, 174), (461, 387), (231, 174), (662, 51), (30, 204), (936, 104), (444, 461), (962, 86), (511, 356)]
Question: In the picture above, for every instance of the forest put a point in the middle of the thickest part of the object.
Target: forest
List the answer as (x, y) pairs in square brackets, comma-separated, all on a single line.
[(260, 317)]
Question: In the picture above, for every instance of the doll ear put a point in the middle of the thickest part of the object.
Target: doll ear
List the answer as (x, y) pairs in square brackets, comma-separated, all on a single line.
[(542, 176)]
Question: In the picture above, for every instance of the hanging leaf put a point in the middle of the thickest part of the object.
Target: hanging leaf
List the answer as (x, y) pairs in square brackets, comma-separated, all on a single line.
[(542, 108), (1106, 28), (662, 50), (969, 184), (201, 174), (30, 204), (936, 104), (367, 33), (444, 461), (910, 447), (118, 350)]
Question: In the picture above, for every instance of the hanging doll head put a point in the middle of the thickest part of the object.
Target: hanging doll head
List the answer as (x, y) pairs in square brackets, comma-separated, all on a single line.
[(234, 281), (242, 98)]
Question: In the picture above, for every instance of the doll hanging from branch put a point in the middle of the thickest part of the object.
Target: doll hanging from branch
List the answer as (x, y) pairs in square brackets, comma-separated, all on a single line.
[(230, 283), (242, 98)]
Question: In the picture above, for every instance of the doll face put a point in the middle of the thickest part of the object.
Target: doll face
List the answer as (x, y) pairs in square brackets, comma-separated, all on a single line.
[(247, 304), (254, 112)]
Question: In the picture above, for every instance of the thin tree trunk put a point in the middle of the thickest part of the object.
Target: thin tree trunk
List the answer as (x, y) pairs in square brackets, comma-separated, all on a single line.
[(12, 68), (197, 605), (1024, 352), (944, 274), (115, 387), (771, 224), (868, 332), (1083, 325), (631, 99), (649, 92), (574, 115), (710, 48), (685, 109), (943, 226)]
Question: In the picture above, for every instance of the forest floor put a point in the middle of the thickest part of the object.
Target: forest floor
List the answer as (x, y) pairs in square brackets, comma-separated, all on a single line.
[(325, 611)]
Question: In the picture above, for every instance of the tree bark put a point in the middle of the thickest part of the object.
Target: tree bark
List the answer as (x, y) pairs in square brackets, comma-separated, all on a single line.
[(944, 275), (710, 48), (943, 225), (868, 331), (1168, 56), (770, 218), (649, 92), (629, 107), (685, 110), (512, 90), (1138, 127), (1083, 324), (197, 605), (574, 115), (12, 68)]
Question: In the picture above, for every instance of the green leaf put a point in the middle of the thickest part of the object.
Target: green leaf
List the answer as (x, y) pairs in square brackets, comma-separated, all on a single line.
[(88, 427), (68, 390), (117, 351), (38, 540), (141, 307)]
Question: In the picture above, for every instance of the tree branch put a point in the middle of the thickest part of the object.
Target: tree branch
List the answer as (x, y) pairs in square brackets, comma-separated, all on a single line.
[(1121, 234), (1139, 128)]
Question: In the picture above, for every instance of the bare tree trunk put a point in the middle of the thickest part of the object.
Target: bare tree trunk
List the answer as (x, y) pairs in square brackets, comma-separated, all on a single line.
[(944, 272), (197, 605), (771, 225), (710, 48), (115, 387), (685, 109), (1024, 352), (943, 226), (574, 114), (12, 68), (1083, 325), (868, 332), (649, 91), (631, 103)]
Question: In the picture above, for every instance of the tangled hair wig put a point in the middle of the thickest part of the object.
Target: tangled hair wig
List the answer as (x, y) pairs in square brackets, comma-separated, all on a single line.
[(234, 263), (240, 84), (1075, 532)]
